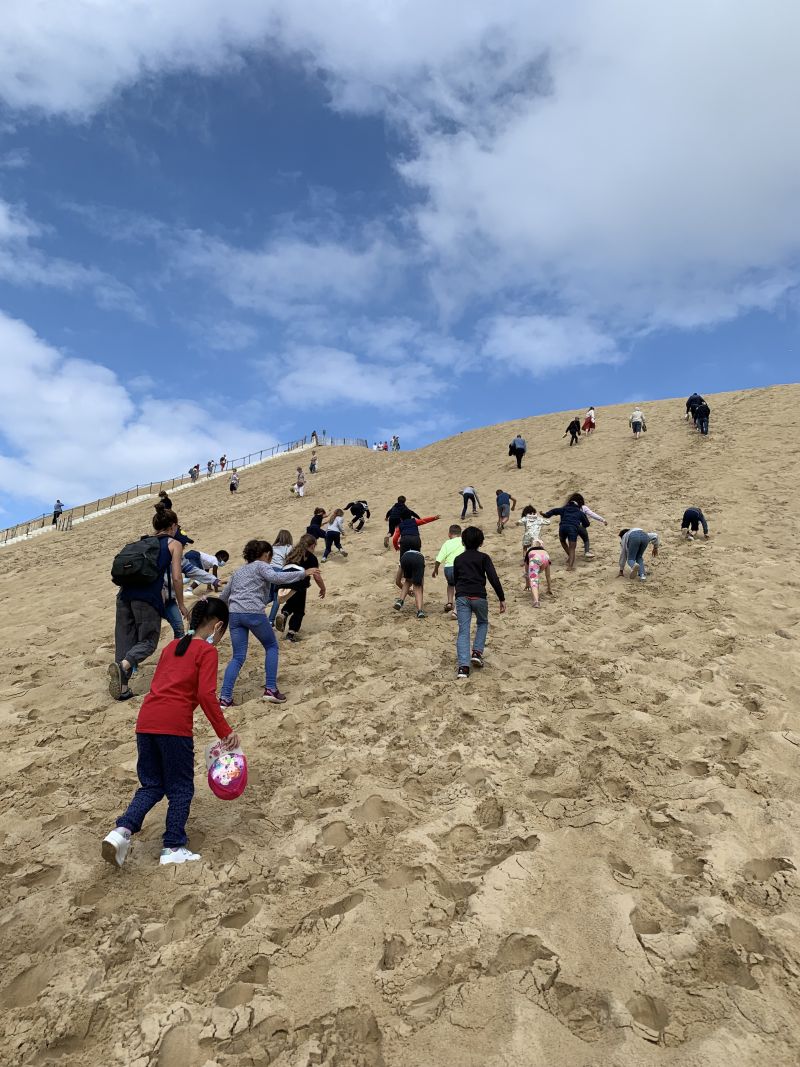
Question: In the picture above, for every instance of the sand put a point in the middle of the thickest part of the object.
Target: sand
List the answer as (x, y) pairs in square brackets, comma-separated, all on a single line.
[(587, 855)]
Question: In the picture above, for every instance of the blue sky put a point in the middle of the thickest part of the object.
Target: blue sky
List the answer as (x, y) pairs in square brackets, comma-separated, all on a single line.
[(222, 226)]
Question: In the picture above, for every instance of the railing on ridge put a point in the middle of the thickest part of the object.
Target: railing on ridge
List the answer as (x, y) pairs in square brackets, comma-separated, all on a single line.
[(64, 522)]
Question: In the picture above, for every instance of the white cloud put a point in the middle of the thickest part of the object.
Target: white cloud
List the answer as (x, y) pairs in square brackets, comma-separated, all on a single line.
[(542, 344), (288, 274), (318, 376), (71, 429), (23, 264), (624, 164)]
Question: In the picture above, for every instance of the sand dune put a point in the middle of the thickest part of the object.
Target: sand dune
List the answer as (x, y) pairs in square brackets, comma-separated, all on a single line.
[(587, 855)]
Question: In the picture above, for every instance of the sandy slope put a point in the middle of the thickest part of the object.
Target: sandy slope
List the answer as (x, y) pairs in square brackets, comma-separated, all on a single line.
[(585, 856)]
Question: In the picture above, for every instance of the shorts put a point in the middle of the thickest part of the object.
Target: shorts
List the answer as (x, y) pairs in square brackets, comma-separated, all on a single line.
[(569, 533), (412, 567), (503, 510), (409, 544), (234, 488), (691, 520), (636, 427), (449, 576)]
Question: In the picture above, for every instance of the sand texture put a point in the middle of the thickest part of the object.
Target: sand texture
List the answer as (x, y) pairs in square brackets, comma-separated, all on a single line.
[(586, 856)]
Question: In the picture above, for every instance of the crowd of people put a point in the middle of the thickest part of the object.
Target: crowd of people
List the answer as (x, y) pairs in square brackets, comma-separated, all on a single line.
[(387, 446), (267, 595)]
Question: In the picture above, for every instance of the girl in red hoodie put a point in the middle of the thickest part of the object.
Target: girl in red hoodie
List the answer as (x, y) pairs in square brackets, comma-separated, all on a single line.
[(186, 676)]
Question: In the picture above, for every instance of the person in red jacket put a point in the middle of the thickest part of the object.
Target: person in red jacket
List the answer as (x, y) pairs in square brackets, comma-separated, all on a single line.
[(406, 535), (186, 676)]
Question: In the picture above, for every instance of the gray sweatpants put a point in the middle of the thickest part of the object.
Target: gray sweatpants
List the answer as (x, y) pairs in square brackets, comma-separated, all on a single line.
[(136, 631)]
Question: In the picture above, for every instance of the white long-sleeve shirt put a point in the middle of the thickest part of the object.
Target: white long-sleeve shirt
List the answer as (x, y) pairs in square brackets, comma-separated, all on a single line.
[(587, 511), (336, 525)]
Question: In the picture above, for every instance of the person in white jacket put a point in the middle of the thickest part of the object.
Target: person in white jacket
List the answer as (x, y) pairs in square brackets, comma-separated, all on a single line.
[(583, 532)]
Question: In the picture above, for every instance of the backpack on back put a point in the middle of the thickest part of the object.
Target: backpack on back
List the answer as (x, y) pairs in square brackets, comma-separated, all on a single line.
[(136, 565)]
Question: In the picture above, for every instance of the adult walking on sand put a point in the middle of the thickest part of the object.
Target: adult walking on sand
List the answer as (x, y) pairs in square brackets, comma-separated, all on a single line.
[(574, 431), (139, 570), (517, 449), (58, 507), (637, 423), (590, 421), (633, 544), (702, 413), (692, 404)]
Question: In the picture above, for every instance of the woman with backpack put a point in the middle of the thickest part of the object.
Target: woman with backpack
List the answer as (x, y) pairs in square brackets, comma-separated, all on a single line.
[(247, 594), (186, 676), (139, 570)]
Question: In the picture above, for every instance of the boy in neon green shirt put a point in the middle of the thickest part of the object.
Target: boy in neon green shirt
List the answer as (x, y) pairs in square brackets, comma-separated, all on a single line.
[(452, 547)]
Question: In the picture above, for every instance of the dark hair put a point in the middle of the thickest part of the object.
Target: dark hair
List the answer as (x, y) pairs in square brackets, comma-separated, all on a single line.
[(283, 538), (222, 555), (623, 532), (205, 609), (472, 537), (298, 553), (255, 549), (163, 519), (319, 511), (529, 509), (162, 492), (454, 529), (401, 500), (577, 498), (571, 500)]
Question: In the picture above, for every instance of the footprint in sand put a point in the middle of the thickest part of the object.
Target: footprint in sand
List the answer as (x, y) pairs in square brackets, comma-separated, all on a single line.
[(237, 920), (650, 1017), (26, 987)]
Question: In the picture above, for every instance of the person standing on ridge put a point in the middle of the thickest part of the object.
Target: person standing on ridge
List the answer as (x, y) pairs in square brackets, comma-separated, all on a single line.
[(517, 449), (58, 507)]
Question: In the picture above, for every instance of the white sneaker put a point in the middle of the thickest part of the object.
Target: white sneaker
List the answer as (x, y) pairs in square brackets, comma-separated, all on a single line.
[(177, 855), (115, 848)]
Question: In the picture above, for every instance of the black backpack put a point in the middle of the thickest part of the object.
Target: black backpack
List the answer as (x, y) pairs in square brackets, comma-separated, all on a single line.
[(136, 565)]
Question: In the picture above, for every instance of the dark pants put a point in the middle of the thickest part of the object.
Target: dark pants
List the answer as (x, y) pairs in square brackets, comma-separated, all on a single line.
[(518, 454), (56, 517), (410, 544), (165, 769), (358, 522), (584, 536), (573, 438), (469, 498), (295, 607), (702, 424), (136, 632), (333, 539)]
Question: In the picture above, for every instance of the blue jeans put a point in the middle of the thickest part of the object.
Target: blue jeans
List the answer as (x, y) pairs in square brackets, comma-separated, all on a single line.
[(165, 768), (637, 546), (241, 625), (465, 609), (702, 424), (273, 599), (173, 616)]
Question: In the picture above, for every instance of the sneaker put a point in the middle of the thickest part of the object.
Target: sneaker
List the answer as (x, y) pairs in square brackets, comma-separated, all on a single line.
[(292, 636), (642, 577), (588, 555), (115, 847), (177, 855), (117, 680), (225, 703), (324, 559), (280, 621), (126, 694), (462, 674), (274, 696), (476, 658), (421, 615), (398, 604)]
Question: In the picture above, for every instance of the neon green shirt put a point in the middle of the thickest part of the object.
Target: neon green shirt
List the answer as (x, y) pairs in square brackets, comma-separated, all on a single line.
[(449, 550)]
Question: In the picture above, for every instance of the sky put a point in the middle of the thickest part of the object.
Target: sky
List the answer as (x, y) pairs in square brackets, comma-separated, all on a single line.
[(225, 225)]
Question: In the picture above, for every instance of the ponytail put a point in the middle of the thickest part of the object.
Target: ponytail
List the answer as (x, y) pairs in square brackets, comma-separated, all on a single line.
[(202, 612)]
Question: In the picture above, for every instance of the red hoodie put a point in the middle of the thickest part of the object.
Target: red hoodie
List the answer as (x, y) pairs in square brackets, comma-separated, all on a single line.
[(179, 685)]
